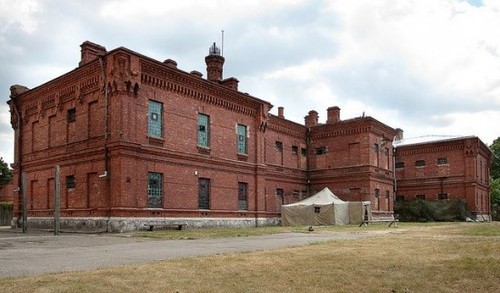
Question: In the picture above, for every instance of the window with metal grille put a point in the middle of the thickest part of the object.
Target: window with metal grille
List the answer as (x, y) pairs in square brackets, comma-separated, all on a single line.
[(317, 210), (242, 196), (155, 118), (71, 115), (204, 193), (420, 163), (203, 130), (155, 190), (442, 161), (70, 181), (241, 132)]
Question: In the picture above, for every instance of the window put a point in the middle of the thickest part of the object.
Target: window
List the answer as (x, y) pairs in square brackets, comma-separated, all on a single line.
[(71, 115), (400, 165), (420, 196), (155, 118), (281, 194), (442, 161), (375, 148), (70, 181), (317, 210), (303, 151), (295, 149), (321, 151), (242, 196), (400, 198), (241, 133), (204, 193), (203, 130), (443, 196), (155, 190), (387, 194), (279, 146), (377, 192), (420, 163)]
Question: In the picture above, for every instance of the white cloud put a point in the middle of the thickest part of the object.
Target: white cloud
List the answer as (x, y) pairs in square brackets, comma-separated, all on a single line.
[(19, 13)]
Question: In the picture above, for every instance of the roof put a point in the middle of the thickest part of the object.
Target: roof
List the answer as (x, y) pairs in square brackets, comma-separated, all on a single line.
[(429, 139), (324, 197)]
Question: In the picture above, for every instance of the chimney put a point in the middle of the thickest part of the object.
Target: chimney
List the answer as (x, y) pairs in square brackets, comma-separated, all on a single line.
[(333, 115), (399, 134), (170, 63), (231, 83), (214, 63), (90, 51), (311, 119), (280, 112)]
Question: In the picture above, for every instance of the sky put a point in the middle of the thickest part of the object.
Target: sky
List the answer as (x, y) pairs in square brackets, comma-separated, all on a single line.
[(429, 67)]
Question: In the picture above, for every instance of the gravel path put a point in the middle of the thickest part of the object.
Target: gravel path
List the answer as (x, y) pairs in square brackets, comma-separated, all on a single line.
[(39, 252)]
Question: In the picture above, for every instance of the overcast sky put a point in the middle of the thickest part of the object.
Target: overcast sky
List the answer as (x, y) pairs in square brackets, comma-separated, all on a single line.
[(426, 66)]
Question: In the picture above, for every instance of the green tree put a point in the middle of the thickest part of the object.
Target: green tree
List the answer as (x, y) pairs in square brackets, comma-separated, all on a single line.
[(495, 167), (5, 173)]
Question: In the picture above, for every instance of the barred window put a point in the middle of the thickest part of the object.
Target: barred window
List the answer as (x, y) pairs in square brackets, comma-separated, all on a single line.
[(420, 163), (204, 193), (442, 161), (242, 196), (70, 181), (155, 190)]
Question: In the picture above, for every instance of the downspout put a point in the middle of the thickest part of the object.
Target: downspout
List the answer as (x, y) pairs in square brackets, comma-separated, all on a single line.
[(308, 163), (106, 140), (19, 148)]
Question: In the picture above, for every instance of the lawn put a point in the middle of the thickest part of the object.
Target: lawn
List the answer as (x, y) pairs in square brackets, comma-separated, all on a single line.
[(444, 257)]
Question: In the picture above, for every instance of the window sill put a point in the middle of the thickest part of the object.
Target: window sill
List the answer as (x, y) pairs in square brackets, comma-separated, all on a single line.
[(242, 157), (204, 150), (156, 141)]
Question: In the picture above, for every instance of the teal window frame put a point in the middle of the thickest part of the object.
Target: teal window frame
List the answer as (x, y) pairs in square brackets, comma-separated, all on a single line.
[(241, 138), (203, 130), (155, 118)]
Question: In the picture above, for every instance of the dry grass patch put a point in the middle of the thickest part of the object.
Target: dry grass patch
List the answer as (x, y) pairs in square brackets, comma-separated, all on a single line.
[(437, 258)]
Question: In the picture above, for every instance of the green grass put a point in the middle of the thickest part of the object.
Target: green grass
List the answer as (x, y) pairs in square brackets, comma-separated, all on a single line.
[(442, 257)]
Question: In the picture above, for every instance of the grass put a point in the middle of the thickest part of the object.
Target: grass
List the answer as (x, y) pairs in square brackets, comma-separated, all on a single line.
[(443, 257)]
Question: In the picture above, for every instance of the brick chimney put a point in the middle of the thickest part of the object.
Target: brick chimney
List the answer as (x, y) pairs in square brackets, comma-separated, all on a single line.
[(214, 63), (399, 134), (281, 112), (90, 51), (311, 119), (333, 115), (231, 83)]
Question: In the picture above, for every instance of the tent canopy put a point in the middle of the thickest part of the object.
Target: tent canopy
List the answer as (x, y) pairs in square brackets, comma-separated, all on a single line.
[(323, 208)]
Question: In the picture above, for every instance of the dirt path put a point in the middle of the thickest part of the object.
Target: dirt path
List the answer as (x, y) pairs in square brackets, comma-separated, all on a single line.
[(39, 253)]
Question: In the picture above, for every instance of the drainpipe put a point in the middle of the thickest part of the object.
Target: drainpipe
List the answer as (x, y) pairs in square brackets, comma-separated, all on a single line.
[(19, 148), (106, 139)]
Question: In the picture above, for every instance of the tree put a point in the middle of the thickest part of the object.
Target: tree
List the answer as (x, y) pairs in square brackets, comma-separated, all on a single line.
[(495, 167), (5, 173)]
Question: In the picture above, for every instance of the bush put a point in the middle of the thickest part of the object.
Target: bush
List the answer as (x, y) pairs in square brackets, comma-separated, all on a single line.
[(419, 210)]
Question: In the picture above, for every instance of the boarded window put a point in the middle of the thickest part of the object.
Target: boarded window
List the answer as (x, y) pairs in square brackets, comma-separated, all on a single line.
[(203, 130), (241, 133), (204, 193), (155, 118), (242, 196), (155, 190)]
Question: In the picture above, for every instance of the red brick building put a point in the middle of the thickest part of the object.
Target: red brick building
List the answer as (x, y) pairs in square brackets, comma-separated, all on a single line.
[(445, 168), (139, 140)]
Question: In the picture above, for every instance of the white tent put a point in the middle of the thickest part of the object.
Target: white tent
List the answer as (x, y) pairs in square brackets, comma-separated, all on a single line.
[(323, 208)]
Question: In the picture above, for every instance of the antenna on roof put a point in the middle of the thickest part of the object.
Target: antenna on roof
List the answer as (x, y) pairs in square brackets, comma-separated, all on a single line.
[(222, 47)]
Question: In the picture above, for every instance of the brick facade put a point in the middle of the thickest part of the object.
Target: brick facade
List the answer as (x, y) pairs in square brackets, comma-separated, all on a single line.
[(137, 138), (445, 168)]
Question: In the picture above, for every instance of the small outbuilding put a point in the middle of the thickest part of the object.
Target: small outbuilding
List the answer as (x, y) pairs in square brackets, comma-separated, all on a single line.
[(324, 208)]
